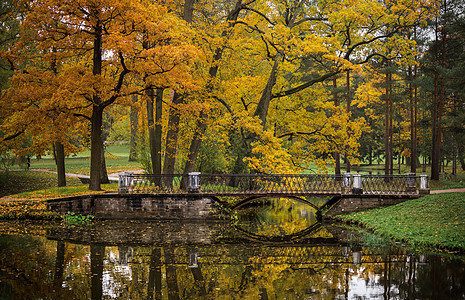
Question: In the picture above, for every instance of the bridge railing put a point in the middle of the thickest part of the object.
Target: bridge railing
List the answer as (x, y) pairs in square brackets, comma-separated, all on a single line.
[(270, 184), (250, 184)]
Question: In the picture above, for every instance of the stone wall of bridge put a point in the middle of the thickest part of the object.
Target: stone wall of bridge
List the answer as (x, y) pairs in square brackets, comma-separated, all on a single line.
[(348, 204), (140, 206)]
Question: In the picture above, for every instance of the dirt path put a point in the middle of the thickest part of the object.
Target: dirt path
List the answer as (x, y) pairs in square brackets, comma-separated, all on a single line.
[(448, 191)]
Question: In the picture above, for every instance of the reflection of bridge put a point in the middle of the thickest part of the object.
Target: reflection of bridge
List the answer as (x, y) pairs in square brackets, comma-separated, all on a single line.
[(214, 243), (212, 271), (274, 184)]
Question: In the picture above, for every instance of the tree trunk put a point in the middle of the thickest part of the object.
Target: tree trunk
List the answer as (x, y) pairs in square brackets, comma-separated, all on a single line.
[(188, 10), (195, 144), (438, 101), (134, 120), (158, 129), (435, 163), (336, 155), (391, 128), (413, 138), (150, 124), (96, 151), (60, 162), (348, 113), (387, 132), (103, 173), (154, 126), (213, 71), (172, 135), (262, 107)]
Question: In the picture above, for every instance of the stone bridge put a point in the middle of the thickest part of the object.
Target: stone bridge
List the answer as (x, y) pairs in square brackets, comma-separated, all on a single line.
[(202, 196)]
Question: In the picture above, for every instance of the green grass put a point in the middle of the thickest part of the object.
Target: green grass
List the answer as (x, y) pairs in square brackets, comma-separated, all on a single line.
[(116, 160), (430, 222), (59, 192), (14, 182), (41, 185)]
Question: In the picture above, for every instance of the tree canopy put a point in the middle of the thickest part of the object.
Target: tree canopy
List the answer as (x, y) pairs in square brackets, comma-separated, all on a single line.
[(254, 86)]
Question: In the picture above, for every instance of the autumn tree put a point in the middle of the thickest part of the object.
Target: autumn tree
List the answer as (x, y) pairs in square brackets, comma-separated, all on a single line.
[(292, 48), (97, 46)]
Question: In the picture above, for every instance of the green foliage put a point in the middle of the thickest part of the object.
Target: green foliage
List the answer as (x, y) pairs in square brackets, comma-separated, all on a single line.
[(433, 221), (73, 219), (6, 160), (144, 158)]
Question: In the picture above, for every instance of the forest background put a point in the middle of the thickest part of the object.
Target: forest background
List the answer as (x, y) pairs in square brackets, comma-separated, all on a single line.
[(235, 86)]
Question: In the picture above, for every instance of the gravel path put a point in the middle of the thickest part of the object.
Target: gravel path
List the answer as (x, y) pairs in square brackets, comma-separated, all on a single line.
[(448, 191)]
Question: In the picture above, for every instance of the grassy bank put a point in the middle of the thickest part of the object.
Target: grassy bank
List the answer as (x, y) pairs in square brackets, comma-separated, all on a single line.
[(23, 194), (116, 160), (15, 182), (431, 222)]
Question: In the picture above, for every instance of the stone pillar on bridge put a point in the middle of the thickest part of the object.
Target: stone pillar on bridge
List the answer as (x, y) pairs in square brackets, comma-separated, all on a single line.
[(124, 182), (346, 183), (411, 184), (194, 182), (424, 185), (357, 188)]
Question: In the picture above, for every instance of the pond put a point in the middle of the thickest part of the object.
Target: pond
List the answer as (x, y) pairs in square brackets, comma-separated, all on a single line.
[(261, 254)]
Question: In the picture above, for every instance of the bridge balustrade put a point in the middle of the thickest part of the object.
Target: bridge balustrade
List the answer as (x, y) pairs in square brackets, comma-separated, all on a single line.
[(273, 184)]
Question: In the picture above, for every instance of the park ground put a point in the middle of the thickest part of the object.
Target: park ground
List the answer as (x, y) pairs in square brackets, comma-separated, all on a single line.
[(433, 222)]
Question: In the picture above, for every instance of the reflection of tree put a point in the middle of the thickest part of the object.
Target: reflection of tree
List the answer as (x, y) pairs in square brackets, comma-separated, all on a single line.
[(155, 275), (27, 266), (34, 268), (96, 269), (271, 217), (196, 270), (171, 276)]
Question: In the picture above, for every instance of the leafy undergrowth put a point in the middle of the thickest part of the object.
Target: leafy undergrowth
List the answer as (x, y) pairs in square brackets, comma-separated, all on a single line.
[(73, 219), (430, 222)]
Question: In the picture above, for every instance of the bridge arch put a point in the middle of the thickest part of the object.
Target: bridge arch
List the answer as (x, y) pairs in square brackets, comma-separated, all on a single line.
[(252, 198), (278, 239)]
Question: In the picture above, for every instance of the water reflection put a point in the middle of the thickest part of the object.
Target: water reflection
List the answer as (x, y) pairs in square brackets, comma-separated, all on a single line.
[(276, 219), (169, 260)]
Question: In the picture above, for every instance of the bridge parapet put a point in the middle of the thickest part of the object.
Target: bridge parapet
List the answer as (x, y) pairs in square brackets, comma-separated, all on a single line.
[(274, 184)]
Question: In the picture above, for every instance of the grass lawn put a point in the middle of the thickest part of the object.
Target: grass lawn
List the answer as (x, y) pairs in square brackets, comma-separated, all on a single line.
[(431, 222), (116, 160), (23, 194), (15, 182)]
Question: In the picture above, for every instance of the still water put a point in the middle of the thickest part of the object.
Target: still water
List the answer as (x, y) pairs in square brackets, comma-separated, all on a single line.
[(263, 253)]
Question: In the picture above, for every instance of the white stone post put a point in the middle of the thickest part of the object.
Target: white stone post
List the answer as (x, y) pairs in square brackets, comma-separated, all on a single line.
[(357, 258), (125, 182), (122, 186), (346, 182), (411, 185), (194, 182), (424, 184), (358, 188), (193, 260), (411, 180)]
